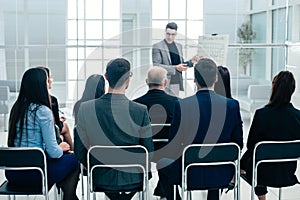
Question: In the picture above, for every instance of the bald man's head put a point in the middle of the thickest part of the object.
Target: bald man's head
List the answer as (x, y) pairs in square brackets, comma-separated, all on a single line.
[(157, 77)]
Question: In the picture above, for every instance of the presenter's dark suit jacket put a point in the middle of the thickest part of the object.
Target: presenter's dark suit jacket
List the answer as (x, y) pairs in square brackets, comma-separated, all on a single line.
[(205, 117), (161, 57), (112, 120), (271, 124)]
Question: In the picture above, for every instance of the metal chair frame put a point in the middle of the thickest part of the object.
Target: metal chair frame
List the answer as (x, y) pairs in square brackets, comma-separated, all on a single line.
[(260, 150), (160, 125), (211, 162), (41, 167), (144, 168)]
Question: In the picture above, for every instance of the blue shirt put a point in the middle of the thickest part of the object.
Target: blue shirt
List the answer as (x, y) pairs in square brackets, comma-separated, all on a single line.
[(40, 131)]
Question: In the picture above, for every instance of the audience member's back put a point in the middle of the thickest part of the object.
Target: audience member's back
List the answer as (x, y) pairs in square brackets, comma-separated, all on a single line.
[(113, 120), (159, 104), (94, 88)]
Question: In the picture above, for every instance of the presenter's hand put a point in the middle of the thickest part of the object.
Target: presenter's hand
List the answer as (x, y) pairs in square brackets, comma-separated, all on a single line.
[(196, 58), (181, 67)]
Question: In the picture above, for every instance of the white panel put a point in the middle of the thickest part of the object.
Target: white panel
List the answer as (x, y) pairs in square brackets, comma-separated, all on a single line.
[(2, 51)]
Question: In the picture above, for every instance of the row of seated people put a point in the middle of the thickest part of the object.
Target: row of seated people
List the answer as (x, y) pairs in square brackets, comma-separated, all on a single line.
[(113, 119)]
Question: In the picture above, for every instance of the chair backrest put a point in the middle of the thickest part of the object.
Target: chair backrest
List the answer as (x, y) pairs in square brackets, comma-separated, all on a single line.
[(4, 93), (118, 155), (24, 158), (212, 154), (119, 158), (197, 155), (273, 151), (160, 131), (156, 128), (259, 92), (278, 151)]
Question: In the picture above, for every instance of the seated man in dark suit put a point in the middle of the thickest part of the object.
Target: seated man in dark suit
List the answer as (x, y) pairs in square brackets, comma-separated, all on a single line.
[(205, 117), (112, 120), (160, 105)]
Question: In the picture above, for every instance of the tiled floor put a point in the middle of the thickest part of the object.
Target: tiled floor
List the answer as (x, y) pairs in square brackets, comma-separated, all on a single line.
[(291, 193)]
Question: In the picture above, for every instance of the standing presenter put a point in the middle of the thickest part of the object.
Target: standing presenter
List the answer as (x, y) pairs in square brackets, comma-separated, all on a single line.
[(168, 54)]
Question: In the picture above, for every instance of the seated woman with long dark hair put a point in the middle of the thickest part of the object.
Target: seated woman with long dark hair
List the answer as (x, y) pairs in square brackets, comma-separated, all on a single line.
[(31, 124), (279, 120), (94, 88)]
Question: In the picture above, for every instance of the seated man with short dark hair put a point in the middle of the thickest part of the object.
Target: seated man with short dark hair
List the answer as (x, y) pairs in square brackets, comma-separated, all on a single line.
[(113, 120), (204, 118)]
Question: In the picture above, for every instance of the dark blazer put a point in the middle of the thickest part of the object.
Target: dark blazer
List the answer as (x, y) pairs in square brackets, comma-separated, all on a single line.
[(271, 124), (205, 117), (112, 120), (161, 57), (160, 106)]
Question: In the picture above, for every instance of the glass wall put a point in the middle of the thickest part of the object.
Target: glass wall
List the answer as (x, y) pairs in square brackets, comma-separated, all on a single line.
[(33, 33), (129, 29), (76, 38)]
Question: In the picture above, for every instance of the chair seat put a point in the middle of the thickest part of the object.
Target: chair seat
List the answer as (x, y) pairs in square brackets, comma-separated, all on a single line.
[(244, 176), (130, 188), (228, 186), (7, 189)]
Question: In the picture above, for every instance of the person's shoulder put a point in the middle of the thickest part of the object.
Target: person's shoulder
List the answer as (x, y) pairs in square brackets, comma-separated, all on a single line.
[(187, 100), (53, 98), (137, 105), (171, 97), (41, 110), (231, 102), (178, 44), (85, 104), (41, 107), (159, 43), (140, 99)]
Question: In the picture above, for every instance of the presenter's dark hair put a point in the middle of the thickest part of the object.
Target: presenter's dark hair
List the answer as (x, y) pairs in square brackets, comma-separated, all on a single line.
[(283, 86), (33, 91), (205, 72), (117, 71), (172, 25)]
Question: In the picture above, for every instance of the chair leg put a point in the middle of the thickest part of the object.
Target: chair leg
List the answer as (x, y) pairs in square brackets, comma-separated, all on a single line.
[(56, 193), (82, 182), (182, 193), (189, 195), (106, 197), (280, 193), (5, 124), (94, 196)]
